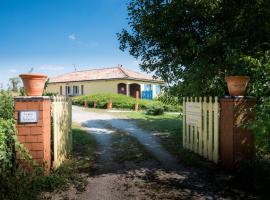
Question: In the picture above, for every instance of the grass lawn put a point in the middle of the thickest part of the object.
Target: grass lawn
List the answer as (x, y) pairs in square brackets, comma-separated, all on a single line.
[(168, 127), (84, 146), (25, 186), (128, 148)]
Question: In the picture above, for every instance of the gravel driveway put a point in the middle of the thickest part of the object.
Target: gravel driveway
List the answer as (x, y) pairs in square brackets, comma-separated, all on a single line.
[(159, 178)]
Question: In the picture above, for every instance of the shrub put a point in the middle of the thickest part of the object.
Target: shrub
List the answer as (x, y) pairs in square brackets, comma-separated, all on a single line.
[(122, 102), (254, 175), (6, 105), (171, 103), (119, 100), (7, 132), (166, 98), (154, 110), (261, 125)]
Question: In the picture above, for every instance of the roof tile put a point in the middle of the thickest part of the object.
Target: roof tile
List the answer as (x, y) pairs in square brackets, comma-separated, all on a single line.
[(118, 72)]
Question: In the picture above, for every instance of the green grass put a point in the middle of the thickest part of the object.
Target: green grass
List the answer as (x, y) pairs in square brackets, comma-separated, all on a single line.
[(84, 146), (26, 186), (168, 128), (128, 148)]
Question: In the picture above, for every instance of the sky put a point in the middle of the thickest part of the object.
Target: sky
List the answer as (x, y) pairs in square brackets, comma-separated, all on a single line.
[(53, 36)]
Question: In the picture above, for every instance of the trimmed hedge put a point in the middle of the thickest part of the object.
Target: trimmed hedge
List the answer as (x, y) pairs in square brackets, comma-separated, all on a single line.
[(121, 101), (155, 110)]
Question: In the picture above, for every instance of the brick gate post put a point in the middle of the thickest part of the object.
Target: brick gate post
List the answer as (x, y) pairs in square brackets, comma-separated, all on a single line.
[(237, 143), (33, 124)]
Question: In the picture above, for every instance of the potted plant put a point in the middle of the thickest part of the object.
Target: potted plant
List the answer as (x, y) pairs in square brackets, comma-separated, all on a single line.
[(109, 104), (136, 106), (33, 83), (237, 80), (85, 104), (238, 71), (95, 104)]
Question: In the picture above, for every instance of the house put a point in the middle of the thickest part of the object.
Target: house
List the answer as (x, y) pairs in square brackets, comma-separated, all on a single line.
[(106, 80)]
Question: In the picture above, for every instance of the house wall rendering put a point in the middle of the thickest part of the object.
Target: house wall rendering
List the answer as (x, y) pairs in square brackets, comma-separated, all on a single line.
[(104, 86)]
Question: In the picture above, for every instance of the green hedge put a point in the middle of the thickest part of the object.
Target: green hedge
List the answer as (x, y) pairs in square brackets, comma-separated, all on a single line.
[(121, 102), (7, 132)]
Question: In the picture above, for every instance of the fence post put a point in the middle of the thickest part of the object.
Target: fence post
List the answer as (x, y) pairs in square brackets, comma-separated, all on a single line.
[(201, 131), (184, 123), (205, 117), (216, 130)]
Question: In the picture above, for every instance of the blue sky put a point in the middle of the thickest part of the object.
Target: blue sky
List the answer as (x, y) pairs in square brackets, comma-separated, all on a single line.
[(52, 35)]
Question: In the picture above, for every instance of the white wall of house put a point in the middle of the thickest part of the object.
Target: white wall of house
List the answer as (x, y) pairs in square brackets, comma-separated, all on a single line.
[(95, 87)]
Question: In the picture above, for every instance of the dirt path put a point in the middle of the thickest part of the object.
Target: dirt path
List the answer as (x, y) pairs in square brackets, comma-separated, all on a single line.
[(159, 177), (149, 141)]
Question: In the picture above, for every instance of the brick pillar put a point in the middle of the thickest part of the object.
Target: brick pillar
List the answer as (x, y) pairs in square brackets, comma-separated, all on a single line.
[(236, 142), (36, 136)]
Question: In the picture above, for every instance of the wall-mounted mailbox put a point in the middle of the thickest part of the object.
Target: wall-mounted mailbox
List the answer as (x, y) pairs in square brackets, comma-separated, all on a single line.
[(27, 117)]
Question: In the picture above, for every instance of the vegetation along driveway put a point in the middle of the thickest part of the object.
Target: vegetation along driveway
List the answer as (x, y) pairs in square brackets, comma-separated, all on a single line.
[(132, 164)]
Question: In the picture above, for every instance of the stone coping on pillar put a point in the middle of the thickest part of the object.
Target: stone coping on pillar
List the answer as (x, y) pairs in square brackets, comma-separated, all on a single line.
[(35, 98)]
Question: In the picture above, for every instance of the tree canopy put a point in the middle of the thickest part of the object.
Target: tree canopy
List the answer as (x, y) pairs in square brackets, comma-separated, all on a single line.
[(194, 44)]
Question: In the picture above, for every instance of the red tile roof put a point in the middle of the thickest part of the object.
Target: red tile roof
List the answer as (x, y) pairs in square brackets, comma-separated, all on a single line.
[(118, 72)]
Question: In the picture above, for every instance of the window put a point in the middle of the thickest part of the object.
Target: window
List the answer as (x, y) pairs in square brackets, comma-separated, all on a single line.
[(82, 89), (61, 90), (68, 90), (75, 90)]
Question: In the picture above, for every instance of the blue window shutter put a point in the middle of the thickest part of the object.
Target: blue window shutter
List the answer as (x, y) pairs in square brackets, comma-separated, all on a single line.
[(145, 87)]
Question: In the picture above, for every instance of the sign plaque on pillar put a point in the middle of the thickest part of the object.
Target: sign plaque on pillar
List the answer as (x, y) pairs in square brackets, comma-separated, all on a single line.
[(28, 117)]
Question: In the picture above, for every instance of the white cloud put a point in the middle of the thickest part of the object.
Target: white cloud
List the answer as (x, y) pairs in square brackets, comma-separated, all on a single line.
[(72, 37)]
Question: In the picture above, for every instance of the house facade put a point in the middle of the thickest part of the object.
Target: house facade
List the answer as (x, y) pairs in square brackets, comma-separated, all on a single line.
[(117, 80)]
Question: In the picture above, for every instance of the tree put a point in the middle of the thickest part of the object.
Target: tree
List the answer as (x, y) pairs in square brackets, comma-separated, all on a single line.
[(14, 84), (193, 44)]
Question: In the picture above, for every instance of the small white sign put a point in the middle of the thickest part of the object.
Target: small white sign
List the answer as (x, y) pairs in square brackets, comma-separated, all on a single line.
[(194, 113), (28, 117)]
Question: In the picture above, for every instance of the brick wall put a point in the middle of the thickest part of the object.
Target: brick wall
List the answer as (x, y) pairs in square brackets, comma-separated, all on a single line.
[(36, 137)]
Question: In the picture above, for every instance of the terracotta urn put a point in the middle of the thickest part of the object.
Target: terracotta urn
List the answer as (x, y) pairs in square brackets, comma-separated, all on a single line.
[(33, 83), (136, 106), (109, 105), (95, 104), (85, 104), (237, 84)]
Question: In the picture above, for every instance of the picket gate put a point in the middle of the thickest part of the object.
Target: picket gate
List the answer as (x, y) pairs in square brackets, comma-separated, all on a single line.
[(201, 126), (61, 113)]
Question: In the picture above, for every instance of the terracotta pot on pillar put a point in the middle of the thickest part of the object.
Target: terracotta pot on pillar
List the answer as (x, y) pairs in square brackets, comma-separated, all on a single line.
[(109, 105), (136, 106), (237, 85), (95, 104), (33, 83), (85, 104)]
